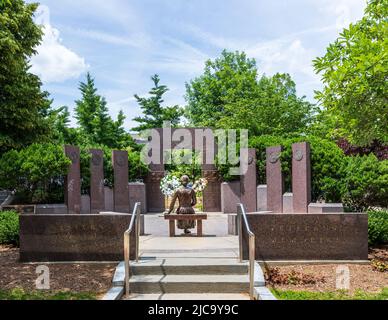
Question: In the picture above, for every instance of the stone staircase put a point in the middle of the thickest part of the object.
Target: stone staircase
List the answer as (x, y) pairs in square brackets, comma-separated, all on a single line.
[(188, 279), (188, 268)]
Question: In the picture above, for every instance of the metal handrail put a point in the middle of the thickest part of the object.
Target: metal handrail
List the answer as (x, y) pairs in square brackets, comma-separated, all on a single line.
[(135, 222), (242, 216)]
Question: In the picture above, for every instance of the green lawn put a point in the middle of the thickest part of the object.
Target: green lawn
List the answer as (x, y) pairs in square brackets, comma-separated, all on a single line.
[(19, 294), (338, 295)]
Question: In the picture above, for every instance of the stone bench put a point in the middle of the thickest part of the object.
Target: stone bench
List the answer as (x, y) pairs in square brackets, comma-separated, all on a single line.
[(186, 217)]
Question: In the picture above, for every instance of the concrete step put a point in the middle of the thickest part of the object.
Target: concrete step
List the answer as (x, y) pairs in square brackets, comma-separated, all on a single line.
[(145, 284), (177, 266), (189, 266), (189, 247), (201, 253), (190, 296)]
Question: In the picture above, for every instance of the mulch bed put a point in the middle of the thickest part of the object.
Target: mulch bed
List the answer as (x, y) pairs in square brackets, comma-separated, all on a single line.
[(97, 278), (322, 278), (75, 278)]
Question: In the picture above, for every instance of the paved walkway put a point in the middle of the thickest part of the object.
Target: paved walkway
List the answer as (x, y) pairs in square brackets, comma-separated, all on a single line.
[(216, 242), (188, 247), (215, 226)]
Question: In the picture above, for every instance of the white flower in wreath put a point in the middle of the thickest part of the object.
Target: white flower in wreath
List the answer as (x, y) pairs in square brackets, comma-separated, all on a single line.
[(200, 185), (169, 184)]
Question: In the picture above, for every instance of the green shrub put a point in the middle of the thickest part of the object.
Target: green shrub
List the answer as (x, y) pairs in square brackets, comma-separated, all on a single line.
[(34, 172), (327, 161), (9, 228), (177, 169), (136, 169), (365, 182), (377, 227), (37, 172)]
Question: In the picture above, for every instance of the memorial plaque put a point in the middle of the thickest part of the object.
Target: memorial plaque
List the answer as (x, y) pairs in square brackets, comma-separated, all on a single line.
[(120, 191), (97, 197), (309, 236), (301, 177), (275, 181), (73, 181), (53, 238)]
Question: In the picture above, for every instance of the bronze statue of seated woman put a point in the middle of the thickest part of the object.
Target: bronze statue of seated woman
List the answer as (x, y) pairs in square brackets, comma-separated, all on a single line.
[(187, 200)]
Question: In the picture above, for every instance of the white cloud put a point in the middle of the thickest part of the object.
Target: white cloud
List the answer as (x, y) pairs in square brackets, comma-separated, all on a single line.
[(54, 62), (286, 54), (136, 40), (345, 11), (178, 57)]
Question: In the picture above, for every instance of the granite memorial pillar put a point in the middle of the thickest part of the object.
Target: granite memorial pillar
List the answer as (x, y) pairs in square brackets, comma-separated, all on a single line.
[(249, 184), (275, 181), (212, 193), (97, 194), (301, 177), (73, 181), (120, 191)]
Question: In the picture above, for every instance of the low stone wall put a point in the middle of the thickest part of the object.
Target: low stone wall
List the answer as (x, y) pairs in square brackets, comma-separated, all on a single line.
[(55, 238), (309, 236)]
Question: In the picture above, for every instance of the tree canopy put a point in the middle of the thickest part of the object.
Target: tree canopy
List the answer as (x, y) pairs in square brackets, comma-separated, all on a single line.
[(354, 72), (231, 95), (24, 106)]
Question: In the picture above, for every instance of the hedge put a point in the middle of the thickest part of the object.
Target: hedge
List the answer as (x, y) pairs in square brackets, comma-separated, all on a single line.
[(9, 228)]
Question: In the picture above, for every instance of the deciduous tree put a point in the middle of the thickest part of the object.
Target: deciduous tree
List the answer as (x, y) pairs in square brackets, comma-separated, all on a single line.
[(23, 105), (355, 74)]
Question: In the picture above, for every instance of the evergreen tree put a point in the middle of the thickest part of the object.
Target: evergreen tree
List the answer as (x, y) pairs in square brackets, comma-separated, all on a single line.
[(154, 113), (62, 133), (96, 125), (24, 107)]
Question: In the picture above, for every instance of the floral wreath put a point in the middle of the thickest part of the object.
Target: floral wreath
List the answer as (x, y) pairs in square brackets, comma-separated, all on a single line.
[(169, 184)]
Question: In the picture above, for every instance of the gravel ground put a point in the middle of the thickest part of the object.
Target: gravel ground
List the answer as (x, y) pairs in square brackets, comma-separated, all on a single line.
[(63, 277)]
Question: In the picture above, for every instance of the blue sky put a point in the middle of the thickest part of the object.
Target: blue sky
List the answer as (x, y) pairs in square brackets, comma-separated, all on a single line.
[(122, 43)]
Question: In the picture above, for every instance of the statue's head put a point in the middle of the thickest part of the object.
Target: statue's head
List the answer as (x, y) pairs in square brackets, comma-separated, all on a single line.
[(185, 180)]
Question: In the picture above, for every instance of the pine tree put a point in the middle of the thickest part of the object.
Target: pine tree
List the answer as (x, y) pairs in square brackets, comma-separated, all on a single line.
[(96, 125), (154, 113), (88, 107)]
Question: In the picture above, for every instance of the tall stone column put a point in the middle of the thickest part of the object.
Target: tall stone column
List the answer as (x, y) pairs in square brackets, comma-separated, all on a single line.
[(73, 181), (97, 194), (212, 193), (155, 197), (275, 181), (120, 168), (205, 142), (249, 184), (301, 177)]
